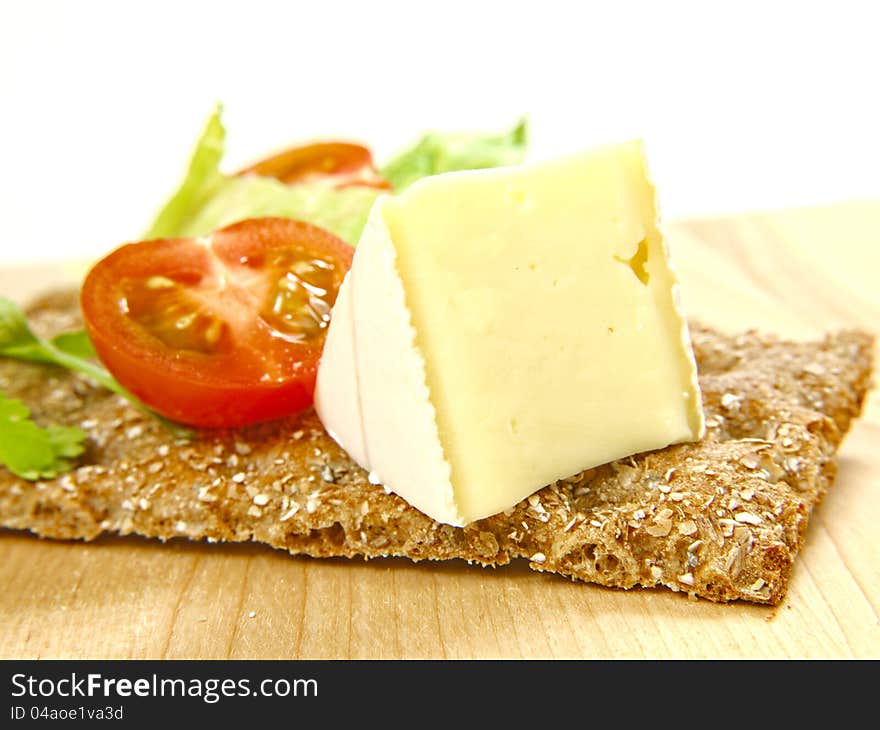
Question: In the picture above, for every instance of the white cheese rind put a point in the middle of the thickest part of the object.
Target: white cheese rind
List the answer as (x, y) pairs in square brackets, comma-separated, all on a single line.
[(502, 329), (371, 391)]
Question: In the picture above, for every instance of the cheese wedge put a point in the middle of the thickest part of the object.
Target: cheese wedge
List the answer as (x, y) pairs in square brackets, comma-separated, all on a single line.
[(502, 329)]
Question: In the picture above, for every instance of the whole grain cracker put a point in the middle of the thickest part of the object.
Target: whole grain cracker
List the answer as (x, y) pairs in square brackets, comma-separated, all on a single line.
[(722, 519)]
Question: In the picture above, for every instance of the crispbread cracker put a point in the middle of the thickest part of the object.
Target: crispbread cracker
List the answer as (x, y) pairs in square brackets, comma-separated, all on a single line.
[(722, 519)]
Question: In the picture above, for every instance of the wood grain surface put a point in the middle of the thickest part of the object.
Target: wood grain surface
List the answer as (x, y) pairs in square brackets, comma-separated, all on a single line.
[(796, 273)]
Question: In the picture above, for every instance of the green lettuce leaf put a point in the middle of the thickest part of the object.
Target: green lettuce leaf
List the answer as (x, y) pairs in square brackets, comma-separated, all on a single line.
[(207, 199), (343, 212), (436, 153), (202, 179)]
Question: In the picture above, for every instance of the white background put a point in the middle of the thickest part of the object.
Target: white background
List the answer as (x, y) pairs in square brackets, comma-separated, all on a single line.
[(743, 105)]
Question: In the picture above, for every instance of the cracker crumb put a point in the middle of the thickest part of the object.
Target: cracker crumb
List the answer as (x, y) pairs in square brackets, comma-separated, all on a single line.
[(730, 401), (662, 524), (727, 526), (748, 518), (312, 503), (688, 527), (750, 461)]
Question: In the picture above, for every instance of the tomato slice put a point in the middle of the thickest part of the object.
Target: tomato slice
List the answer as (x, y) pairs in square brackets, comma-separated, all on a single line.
[(340, 163), (219, 331)]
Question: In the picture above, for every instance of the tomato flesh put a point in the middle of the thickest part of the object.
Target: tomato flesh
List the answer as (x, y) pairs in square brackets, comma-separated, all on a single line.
[(342, 164), (299, 303), (222, 331), (165, 308)]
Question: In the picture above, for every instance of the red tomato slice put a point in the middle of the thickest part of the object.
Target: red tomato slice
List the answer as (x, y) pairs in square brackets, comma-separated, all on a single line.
[(219, 331), (339, 163)]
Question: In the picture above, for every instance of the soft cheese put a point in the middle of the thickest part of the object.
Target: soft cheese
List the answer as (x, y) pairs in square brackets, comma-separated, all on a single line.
[(501, 329)]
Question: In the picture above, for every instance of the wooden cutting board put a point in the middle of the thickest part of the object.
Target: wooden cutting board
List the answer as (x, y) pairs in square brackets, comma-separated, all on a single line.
[(796, 273)]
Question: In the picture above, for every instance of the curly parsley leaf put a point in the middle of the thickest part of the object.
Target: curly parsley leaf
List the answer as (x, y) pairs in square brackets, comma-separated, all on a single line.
[(71, 350), (33, 452), (75, 343), (17, 340)]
